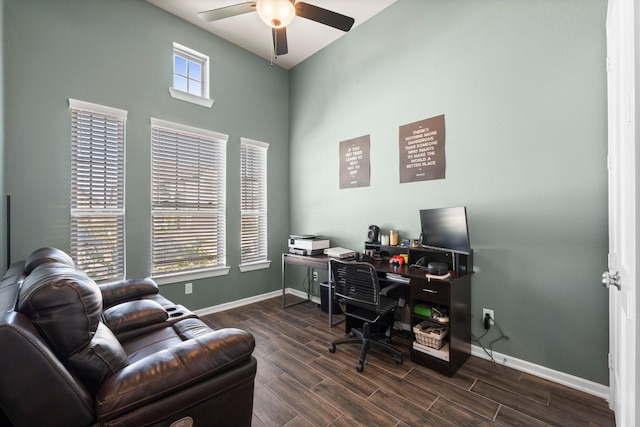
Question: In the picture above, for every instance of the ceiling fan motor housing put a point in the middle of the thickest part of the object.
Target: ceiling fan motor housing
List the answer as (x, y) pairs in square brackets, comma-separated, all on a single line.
[(276, 13)]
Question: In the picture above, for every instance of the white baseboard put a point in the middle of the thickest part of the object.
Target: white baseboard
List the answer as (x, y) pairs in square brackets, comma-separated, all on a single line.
[(250, 300), (568, 380)]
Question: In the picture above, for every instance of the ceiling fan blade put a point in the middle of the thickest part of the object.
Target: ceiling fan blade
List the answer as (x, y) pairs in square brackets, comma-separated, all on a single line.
[(280, 41), (228, 11), (324, 16)]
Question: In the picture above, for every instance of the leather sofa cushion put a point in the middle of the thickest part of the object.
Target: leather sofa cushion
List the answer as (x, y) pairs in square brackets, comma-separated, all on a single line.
[(103, 357), (117, 292), (64, 304), (176, 367), (134, 315), (46, 255)]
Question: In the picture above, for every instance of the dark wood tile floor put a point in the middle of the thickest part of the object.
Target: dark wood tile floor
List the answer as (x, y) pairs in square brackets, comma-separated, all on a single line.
[(299, 383)]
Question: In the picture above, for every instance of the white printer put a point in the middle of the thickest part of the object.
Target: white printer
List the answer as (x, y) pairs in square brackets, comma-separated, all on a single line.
[(307, 244)]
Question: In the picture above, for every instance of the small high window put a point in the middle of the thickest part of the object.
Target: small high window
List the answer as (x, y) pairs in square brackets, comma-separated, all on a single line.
[(190, 76)]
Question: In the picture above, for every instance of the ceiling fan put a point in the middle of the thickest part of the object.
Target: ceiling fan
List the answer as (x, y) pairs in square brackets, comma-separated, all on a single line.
[(278, 14)]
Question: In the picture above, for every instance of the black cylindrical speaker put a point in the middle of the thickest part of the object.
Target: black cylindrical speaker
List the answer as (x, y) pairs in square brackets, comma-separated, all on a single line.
[(372, 236)]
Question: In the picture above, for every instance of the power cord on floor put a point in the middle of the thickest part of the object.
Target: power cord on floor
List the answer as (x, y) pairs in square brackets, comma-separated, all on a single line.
[(488, 321)]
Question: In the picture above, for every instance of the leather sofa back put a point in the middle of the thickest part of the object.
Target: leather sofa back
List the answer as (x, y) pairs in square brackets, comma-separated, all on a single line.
[(65, 305), (33, 381), (46, 256)]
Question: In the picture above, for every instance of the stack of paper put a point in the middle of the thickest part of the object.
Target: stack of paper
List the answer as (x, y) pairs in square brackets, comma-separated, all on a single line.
[(338, 252)]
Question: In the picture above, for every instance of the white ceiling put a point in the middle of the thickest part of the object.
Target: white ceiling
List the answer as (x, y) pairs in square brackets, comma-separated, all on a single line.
[(304, 37)]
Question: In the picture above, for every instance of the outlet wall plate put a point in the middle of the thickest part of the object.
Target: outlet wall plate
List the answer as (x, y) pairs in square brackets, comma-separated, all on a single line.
[(488, 311)]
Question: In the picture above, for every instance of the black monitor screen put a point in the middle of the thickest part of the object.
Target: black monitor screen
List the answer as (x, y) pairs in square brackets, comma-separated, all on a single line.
[(446, 229)]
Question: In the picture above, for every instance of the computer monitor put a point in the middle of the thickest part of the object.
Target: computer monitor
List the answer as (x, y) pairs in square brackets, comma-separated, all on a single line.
[(445, 229)]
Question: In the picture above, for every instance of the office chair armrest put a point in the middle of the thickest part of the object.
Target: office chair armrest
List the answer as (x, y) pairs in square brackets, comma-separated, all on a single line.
[(384, 291)]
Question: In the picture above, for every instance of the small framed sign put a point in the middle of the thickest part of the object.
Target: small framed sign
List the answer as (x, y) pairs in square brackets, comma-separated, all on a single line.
[(354, 162), (422, 154)]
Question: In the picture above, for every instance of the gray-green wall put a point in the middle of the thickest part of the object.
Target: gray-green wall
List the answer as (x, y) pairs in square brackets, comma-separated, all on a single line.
[(119, 53), (522, 85)]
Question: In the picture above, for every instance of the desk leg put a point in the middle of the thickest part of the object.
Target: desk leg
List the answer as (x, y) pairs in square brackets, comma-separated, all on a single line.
[(284, 303), (283, 284), (330, 296)]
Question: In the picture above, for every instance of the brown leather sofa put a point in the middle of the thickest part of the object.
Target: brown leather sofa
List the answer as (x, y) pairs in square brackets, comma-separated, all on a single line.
[(73, 353)]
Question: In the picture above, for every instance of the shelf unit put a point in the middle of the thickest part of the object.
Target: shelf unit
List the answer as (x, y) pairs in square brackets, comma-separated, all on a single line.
[(454, 296), (386, 251)]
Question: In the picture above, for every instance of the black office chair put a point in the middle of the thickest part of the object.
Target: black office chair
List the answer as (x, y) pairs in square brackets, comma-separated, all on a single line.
[(358, 292)]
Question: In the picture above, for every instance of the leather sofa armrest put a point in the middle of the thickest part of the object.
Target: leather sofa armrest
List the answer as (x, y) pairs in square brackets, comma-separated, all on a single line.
[(135, 314), (171, 370), (127, 290)]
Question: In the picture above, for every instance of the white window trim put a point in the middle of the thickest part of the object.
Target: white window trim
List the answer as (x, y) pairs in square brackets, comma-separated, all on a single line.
[(254, 142), (262, 264), (98, 109), (252, 266), (190, 129), (204, 101), (169, 278), (166, 279)]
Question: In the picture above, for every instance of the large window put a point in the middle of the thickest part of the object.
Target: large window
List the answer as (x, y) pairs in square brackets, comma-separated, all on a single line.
[(188, 200), (97, 190), (190, 76), (253, 200)]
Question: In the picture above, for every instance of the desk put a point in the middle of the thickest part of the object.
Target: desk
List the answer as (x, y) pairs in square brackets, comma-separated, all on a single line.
[(453, 295), (318, 262)]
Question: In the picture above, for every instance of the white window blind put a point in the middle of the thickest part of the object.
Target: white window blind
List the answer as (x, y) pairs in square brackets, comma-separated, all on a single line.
[(97, 190), (188, 198), (253, 200)]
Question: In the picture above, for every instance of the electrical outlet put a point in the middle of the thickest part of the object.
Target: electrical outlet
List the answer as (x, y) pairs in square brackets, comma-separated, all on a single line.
[(486, 311), (315, 276), (188, 288)]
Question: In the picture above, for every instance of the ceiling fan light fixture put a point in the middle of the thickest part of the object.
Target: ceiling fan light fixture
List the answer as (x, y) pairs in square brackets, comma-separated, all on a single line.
[(276, 13)]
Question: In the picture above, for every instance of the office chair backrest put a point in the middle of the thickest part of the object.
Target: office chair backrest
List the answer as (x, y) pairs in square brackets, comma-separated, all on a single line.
[(356, 283)]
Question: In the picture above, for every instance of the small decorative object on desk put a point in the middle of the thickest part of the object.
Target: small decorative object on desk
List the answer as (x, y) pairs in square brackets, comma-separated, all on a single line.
[(430, 335), (393, 238)]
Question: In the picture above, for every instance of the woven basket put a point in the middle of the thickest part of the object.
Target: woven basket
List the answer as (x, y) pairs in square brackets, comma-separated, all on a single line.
[(430, 335)]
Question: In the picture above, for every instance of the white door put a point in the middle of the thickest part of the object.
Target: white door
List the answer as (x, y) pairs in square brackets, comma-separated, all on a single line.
[(622, 22)]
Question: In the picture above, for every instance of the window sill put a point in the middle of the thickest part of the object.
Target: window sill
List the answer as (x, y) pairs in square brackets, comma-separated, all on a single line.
[(187, 97), (191, 275), (251, 266)]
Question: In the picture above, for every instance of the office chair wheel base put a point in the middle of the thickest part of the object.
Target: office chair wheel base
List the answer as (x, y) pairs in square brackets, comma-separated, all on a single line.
[(359, 367), (332, 348), (398, 359)]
